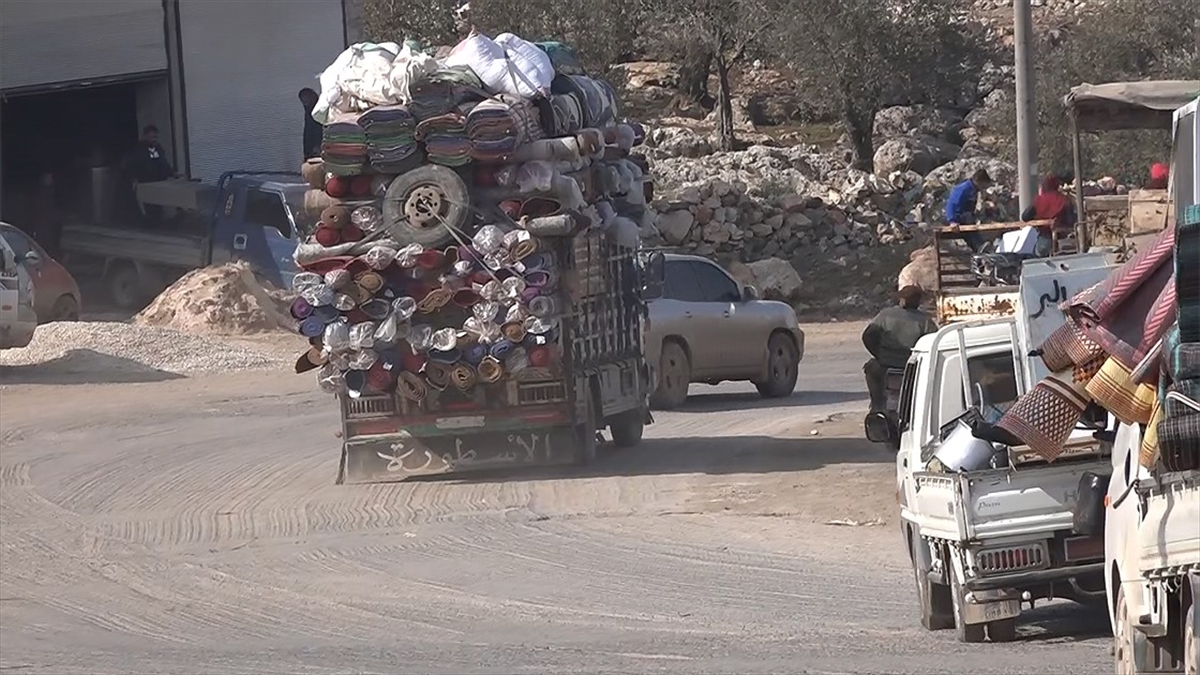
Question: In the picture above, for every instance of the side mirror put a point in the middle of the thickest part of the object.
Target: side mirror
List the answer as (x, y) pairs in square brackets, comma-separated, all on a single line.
[(33, 258), (655, 276), (881, 428), (750, 293)]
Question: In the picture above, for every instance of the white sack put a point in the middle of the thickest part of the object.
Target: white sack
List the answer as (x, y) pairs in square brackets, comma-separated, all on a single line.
[(409, 67), (360, 72), (508, 68)]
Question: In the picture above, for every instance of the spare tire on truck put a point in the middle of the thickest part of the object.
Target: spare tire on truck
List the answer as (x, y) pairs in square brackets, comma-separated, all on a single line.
[(422, 205)]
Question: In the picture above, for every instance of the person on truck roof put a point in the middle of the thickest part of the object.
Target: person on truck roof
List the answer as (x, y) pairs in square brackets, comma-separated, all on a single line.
[(1160, 176), (890, 338), (962, 203), (1051, 204), (148, 163)]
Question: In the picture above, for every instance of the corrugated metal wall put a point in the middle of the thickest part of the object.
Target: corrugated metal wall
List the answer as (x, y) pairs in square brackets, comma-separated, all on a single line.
[(50, 41), (243, 64)]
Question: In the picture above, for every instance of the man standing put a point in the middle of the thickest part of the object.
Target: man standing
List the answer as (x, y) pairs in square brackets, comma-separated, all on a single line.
[(889, 338), (961, 205), (312, 128), (47, 217)]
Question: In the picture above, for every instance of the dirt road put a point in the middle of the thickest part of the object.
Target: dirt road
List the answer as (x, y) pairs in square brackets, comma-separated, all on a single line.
[(192, 526)]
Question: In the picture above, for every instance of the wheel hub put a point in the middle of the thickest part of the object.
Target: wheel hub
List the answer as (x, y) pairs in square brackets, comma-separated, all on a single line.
[(424, 205)]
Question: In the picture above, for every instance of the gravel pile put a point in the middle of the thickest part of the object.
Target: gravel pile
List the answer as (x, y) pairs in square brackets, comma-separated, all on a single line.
[(222, 300), (109, 350)]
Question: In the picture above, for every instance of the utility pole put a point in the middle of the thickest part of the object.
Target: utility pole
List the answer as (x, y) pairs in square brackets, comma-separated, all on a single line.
[(1027, 148)]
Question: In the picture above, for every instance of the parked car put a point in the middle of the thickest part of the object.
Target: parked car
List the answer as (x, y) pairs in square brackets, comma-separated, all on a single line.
[(17, 318), (55, 293), (707, 327)]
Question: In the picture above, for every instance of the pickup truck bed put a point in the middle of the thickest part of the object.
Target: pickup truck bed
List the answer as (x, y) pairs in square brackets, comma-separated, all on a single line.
[(171, 249), (1026, 501), (1168, 531)]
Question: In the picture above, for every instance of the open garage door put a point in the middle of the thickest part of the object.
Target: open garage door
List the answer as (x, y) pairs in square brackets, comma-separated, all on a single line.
[(62, 42), (243, 64)]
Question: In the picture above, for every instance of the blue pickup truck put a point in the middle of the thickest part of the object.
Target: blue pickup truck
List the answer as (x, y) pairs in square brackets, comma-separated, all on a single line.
[(252, 216)]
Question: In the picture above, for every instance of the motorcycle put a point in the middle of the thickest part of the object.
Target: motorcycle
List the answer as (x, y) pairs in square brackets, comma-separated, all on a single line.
[(883, 426)]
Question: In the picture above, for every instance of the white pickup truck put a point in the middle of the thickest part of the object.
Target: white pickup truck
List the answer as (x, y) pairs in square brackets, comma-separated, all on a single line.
[(1152, 519), (986, 538)]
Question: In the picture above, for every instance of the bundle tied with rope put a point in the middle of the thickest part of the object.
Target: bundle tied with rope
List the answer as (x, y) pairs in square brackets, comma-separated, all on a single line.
[(436, 269)]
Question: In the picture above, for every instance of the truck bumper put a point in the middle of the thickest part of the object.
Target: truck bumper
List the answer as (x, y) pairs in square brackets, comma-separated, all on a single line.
[(1034, 577), (396, 457)]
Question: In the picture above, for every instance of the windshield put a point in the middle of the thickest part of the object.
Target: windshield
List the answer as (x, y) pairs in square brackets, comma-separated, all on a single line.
[(304, 220)]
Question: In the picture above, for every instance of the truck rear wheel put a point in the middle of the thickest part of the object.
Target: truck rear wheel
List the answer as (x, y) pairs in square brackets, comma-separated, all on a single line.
[(1123, 660), (1191, 647), (627, 427), (965, 632), (932, 597), (1004, 630), (125, 287), (585, 451)]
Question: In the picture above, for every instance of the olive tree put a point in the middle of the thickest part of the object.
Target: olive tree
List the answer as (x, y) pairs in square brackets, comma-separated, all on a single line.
[(859, 55), (716, 33)]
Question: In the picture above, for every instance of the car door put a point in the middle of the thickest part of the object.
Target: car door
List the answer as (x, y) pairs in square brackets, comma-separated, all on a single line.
[(18, 321), (714, 312)]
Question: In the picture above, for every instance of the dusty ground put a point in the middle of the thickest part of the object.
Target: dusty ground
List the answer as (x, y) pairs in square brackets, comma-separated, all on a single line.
[(191, 525)]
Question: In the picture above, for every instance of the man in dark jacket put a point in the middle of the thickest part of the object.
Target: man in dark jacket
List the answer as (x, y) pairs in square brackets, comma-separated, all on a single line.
[(312, 128), (149, 164), (889, 338)]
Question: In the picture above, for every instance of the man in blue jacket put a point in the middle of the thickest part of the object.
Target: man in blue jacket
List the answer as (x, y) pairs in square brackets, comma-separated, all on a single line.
[(960, 207)]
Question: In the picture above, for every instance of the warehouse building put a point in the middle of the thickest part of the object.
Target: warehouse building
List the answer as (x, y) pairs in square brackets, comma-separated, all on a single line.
[(218, 78)]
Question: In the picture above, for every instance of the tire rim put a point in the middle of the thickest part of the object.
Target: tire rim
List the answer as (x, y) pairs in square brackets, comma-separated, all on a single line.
[(1124, 642), (424, 206), (780, 368), (672, 374)]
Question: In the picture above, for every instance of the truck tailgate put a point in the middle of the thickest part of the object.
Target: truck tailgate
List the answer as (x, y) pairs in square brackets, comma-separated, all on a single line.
[(1001, 502), (1168, 532), (1024, 501)]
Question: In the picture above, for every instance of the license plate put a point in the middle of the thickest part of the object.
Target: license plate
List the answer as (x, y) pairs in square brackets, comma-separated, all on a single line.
[(992, 611), (464, 422)]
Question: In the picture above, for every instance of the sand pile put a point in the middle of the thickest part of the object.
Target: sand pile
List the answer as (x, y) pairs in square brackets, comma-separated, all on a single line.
[(224, 300)]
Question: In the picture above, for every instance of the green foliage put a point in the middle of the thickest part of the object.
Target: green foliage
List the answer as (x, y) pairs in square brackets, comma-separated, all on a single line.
[(1121, 40), (431, 21), (859, 54)]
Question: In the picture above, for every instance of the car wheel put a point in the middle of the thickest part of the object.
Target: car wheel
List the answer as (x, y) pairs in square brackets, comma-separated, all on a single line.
[(65, 309), (783, 368), (674, 376)]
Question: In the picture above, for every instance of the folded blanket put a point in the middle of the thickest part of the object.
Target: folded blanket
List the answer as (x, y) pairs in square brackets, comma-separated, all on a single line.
[(390, 138), (598, 99), (501, 124), (445, 138), (344, 148)]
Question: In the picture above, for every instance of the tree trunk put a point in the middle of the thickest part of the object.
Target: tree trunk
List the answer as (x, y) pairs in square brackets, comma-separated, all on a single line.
[(860, 125), (725, 139), (693, 74)]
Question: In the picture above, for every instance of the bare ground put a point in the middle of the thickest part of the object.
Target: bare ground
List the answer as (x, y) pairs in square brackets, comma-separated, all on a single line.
[(192, 526)]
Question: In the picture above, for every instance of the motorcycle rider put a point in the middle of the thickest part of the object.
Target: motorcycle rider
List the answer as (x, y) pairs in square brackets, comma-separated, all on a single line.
[(890, 337)]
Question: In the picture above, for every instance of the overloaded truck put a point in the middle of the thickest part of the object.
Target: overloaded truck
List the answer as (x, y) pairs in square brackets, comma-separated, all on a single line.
[(1150, 514), (474, 290)]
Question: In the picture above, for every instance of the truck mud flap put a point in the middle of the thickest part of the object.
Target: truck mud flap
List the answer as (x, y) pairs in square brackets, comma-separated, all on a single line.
[(400, 456)]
